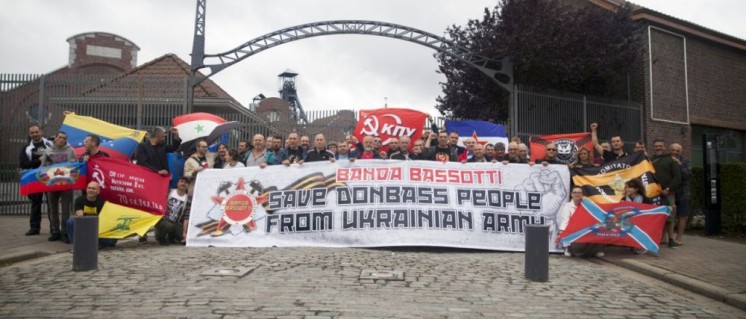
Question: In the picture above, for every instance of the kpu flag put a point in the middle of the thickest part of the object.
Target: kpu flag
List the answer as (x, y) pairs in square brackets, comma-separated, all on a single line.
[(482, 131), (390, 123), (622, 224), (117, 221), (605, 184), (567, 146), (57, 177), (130, 185), (117, 141)]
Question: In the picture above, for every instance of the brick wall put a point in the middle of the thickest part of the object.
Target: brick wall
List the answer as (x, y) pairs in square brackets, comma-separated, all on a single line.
[(716, 77), (82, 61)]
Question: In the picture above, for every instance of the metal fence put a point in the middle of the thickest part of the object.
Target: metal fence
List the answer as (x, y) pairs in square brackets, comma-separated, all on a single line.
[(542, 111), (151, 101)]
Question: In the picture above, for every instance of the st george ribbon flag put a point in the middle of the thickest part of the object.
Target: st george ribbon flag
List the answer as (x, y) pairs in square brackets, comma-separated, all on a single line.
[(567, 146), (52, 178), (117, 221), (117, 141), (390, 122), (622, 224), (129, 185), (484, 132), (605, 183)]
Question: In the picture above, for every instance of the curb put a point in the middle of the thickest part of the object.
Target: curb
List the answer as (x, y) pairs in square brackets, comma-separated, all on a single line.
[(733, 298), (21, 256)]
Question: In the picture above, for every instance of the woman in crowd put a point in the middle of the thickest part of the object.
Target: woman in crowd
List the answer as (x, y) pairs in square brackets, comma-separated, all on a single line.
[(582, 159), (231, 160)]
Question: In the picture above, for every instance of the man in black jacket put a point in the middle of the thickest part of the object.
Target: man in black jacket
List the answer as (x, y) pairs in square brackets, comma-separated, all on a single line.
[(152, 152), (319, 152), (30, 158), (443, 152)]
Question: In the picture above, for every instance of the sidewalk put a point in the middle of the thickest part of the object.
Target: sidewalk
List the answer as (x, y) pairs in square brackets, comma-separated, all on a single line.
[(710, 267)]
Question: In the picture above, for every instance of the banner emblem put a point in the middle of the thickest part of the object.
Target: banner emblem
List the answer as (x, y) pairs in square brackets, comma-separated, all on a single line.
[(566, 150), (238, 208)]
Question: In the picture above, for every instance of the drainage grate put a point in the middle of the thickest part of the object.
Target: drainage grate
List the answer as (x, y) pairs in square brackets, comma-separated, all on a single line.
[(374, 274), (228, 271)]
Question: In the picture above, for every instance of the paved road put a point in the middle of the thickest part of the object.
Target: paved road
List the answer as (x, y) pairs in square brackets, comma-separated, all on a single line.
[(155, 281)]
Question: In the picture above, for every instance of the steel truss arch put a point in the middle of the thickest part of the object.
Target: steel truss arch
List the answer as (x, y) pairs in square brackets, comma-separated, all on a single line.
[(501, 71)]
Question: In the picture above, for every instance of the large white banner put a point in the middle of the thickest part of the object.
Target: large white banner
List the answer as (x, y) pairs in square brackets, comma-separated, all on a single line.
[(377, 203)]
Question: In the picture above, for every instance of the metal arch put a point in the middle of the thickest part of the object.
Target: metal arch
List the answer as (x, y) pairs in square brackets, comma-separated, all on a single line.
[(501, 71)]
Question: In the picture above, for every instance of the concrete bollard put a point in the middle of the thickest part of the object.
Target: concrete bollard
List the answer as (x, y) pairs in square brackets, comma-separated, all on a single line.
[(537, 253), (85, 243)]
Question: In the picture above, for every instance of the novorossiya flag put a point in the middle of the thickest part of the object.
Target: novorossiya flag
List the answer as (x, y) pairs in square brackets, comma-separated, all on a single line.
[(622, 224), (117, 221), (57, 177), (605, 183), (117, 141), (390, 122), (567, 146)]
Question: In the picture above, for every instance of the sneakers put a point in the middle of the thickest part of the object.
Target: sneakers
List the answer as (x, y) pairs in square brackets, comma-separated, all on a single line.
[(600, 254), (673, 244), (54, 237), (143, 239), (568, 253), (641, 251), (65, 239), (32, 231)]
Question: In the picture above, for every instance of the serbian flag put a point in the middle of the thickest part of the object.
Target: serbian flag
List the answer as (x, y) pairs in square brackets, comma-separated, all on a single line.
[(621, 224), (605, 184), (567, 146), (117, 141), (57, 177), (117, 221), (194, 126), (129, 185), (390, 123), (482, 131)]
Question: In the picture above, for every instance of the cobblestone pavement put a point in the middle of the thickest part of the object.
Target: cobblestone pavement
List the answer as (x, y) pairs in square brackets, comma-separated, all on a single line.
[(153, 281)]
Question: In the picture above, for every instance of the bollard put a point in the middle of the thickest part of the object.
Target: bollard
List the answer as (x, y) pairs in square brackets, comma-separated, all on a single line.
[(537, 253), (85, 243)]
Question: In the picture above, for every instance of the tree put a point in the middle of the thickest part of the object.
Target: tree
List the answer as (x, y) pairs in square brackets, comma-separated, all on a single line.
[(554, 44)]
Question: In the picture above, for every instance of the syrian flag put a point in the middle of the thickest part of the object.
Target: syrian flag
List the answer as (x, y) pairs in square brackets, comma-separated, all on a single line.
[(482, 131), (622, 224), (194, 126)]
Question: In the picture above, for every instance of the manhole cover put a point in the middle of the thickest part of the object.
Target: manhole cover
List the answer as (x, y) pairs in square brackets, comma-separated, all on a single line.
[(228, 271), (376, 274)]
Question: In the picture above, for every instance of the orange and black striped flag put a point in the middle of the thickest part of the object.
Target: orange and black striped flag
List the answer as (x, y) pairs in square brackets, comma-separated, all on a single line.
[(605, 184)]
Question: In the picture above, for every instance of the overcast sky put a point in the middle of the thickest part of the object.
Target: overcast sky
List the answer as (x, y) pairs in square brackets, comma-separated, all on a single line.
[(335, 72)]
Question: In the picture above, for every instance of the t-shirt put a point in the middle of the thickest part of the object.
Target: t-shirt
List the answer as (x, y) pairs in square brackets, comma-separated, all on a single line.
[(176, 204), (443, 154), (295, 156), (610, 156), (88, 207)]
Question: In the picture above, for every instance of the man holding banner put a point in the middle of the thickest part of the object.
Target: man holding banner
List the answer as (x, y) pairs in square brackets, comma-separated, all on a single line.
[(59, 201), (30, 158)]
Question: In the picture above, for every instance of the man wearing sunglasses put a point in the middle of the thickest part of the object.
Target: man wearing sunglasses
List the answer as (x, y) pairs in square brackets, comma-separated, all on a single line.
[(550, 154)]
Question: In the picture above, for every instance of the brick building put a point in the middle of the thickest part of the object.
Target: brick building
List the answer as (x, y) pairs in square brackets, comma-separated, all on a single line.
[(691, 80)]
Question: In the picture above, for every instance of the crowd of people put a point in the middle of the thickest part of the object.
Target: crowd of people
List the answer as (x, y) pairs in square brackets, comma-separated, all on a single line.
[(672, 168)]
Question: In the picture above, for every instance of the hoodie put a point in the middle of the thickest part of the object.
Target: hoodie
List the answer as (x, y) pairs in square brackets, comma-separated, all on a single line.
[(56, 154)]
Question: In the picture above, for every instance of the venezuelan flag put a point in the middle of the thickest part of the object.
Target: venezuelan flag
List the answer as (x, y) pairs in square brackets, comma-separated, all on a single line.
[(52, 178), (118, 141)]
